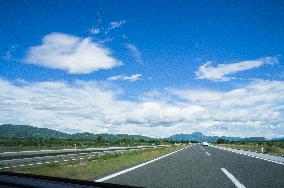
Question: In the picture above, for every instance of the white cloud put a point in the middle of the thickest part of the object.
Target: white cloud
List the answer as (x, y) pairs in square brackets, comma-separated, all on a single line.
[(252, 110), (73, 54), (114, 25), (135, 53), (221, 72), (9, 54), (95, 31), (131, 78), (256, 109)]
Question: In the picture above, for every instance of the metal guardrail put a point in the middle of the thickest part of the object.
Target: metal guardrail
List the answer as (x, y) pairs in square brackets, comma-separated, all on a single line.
[(30, 158), (42, 153)]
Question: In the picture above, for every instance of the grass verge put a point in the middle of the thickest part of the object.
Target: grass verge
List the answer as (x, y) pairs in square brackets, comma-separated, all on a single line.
[(274, 150), (96, 166)]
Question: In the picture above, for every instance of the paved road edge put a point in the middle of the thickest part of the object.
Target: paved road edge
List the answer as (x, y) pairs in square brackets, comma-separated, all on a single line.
[(137, 166), (247, 153)]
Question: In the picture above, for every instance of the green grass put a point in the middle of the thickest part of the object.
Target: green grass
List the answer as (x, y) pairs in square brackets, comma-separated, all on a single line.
[(97, 166), (34, 144), (274, 149)]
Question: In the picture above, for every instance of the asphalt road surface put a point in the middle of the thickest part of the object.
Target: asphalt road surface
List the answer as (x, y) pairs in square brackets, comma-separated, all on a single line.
[(203, 166)]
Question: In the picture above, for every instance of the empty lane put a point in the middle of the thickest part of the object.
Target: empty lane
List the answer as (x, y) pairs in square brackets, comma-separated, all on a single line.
[(199, 166)]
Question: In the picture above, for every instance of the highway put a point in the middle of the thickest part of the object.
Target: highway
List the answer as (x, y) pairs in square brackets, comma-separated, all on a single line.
[(200, 166)]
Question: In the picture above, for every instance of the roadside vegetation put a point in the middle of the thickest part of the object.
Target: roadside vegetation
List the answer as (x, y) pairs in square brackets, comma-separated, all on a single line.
[(26, 137), (29, 144), (269, 147), (96, 166)]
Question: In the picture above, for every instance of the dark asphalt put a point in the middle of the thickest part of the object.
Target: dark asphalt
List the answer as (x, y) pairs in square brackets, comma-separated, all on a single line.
[(192, 167)]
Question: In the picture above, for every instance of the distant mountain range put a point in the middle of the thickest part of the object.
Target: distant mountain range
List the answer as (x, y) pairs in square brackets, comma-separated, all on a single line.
[(27, 131), (199, 137)]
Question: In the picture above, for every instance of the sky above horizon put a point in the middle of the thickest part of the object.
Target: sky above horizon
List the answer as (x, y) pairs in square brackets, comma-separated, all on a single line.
[(154, 68)]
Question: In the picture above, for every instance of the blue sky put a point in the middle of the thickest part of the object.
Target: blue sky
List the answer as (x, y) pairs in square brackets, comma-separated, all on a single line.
[(183, 58)]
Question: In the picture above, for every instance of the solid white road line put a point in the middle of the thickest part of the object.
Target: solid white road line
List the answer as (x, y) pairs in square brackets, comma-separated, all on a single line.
[(233, 179), (130, 169), (207, 153)]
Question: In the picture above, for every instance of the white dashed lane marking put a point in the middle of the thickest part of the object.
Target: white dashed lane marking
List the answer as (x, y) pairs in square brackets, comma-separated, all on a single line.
[(233, 179)]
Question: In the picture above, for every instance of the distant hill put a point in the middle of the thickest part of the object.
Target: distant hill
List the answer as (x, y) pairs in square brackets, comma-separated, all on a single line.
[(278, 139), (91, 136), (199, 137), (27, 131), (254, 139), (196, 136)]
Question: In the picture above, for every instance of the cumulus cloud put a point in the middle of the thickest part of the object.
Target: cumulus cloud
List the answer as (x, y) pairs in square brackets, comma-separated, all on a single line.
[(73, 54), (135, 53), (221, 72), (131, 78), (252, 110), (257, 107)]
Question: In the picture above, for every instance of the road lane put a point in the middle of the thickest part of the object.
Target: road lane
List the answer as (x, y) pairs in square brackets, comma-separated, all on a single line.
[(190, 167), (252, 172), (134, 167), (193, 167)]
